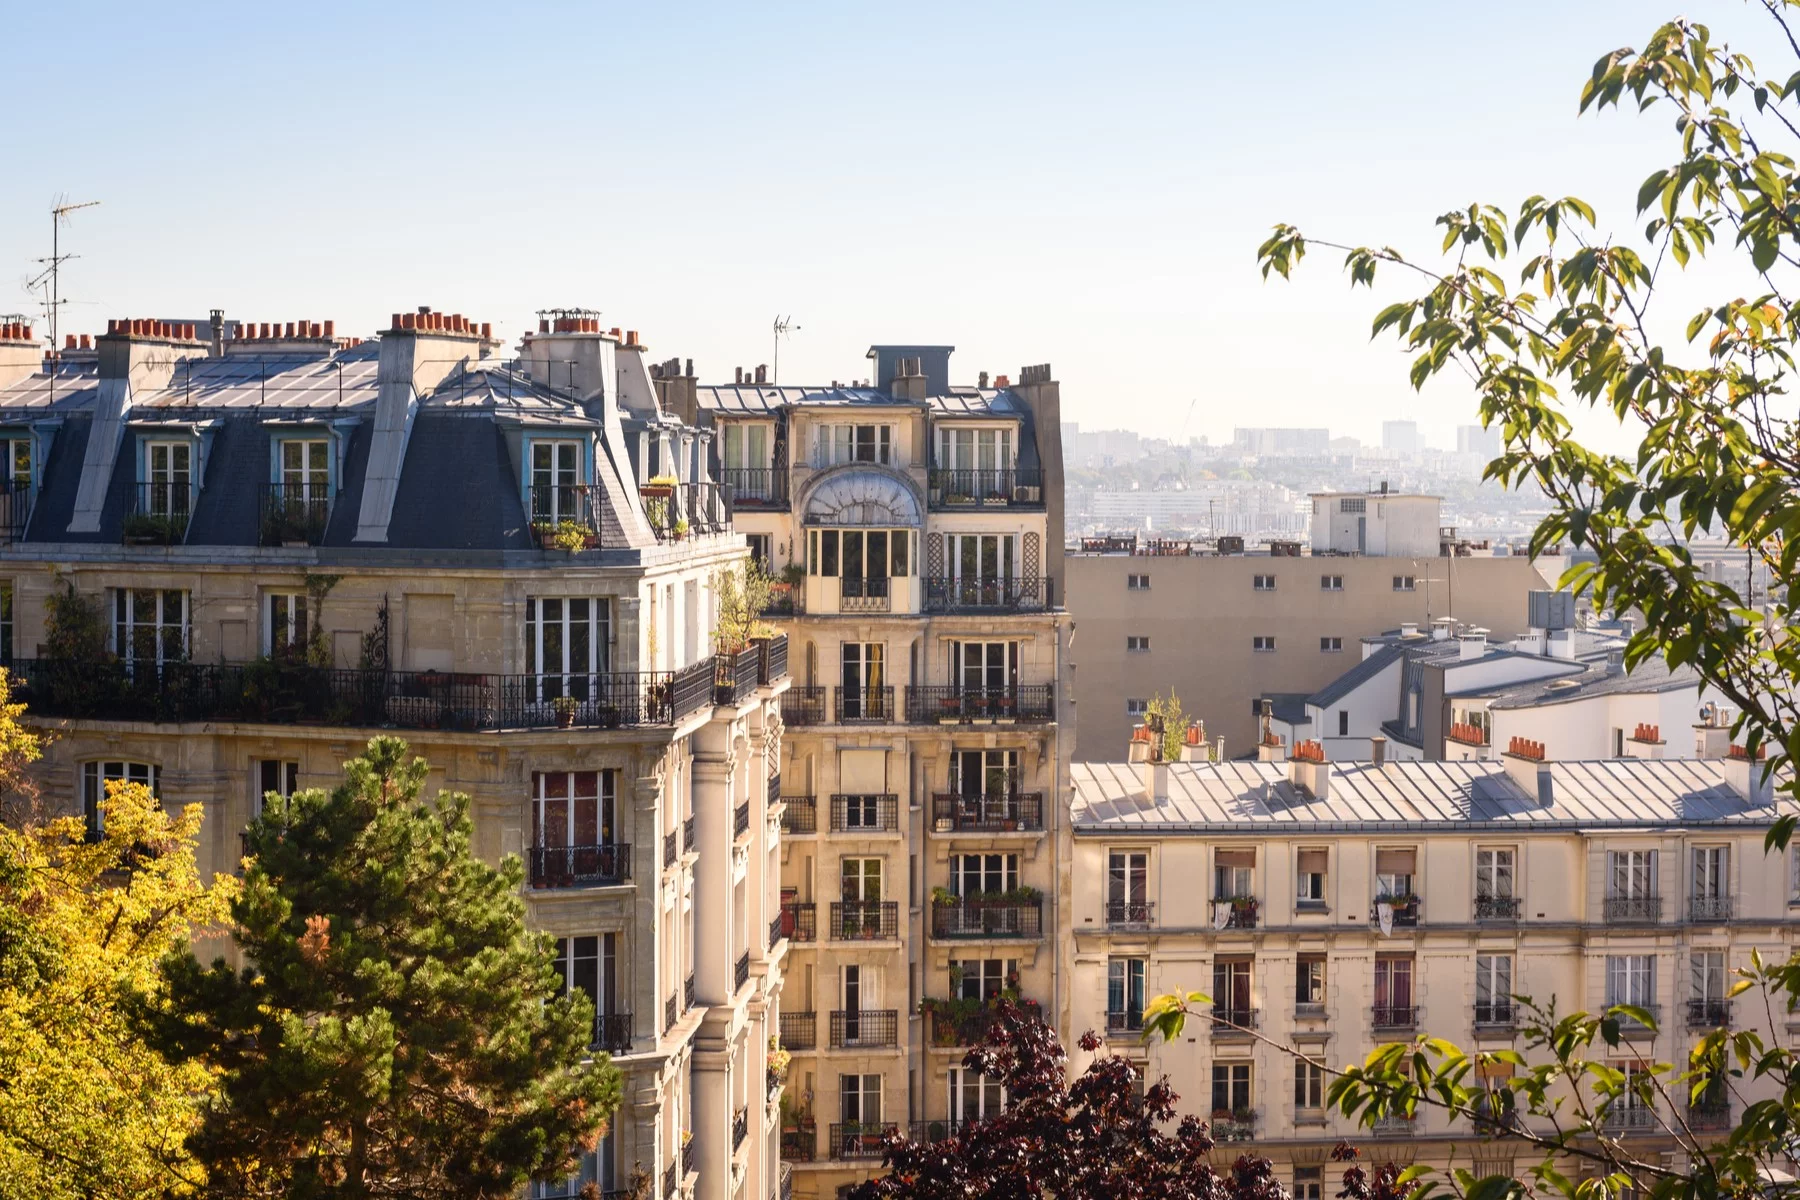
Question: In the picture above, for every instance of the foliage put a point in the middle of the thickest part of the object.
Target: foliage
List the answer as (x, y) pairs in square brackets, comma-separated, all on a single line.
[(743, 592), (318, 645), (567, 535), (401, 1034), (1719, 448), (87, 1108), (153, 527), (74, 625), (794, 575), (19, 748), (1174, 723)]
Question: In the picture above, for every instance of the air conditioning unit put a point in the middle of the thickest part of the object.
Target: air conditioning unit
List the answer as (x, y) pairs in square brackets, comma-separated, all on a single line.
[(1026, 495)]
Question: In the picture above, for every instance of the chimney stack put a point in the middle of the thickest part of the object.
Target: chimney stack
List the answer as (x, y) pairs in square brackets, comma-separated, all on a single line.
[(1309, 771), (20, 354), (1193, 743), (1146, 751), (1749, 777), (1525, 766), (1471, 645), (981, 381), (1645, 742), (1269, 746), (1378, 750)]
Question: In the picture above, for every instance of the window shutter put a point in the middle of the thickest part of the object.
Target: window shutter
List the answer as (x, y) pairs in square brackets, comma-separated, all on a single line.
[(1395, 862), (1312, 862), (1234, 858)]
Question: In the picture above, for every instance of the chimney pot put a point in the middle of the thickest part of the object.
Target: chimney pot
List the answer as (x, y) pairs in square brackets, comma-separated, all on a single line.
[(1001, 381), (84, 341), (487, 331), (762, 373), (330, 328), (740, 375), (631, 337), (1378, 750), (69, 342)]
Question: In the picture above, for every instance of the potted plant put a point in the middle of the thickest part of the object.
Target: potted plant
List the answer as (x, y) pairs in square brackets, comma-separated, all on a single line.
[(681, 528), (564, 707), (149, 529)]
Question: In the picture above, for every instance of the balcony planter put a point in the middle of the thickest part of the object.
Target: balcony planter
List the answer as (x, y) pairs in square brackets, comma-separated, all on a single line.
[(564, 708)]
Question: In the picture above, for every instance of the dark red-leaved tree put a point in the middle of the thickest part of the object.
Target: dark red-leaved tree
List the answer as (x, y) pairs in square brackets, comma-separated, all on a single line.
[(1099, 1137)]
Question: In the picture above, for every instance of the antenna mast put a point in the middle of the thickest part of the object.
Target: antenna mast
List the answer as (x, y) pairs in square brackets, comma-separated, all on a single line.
[(51, 277), (783, 327)]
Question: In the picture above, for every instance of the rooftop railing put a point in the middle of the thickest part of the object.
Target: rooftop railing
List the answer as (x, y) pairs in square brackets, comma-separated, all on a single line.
[(160, 514), (992, 487), (292, 514), (988, 595)]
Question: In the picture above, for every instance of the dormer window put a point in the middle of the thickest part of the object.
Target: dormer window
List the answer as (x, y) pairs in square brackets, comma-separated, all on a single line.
[(18, 458), (165, 492), (556, 492), (297, 506), (975, 450), (854, 443)]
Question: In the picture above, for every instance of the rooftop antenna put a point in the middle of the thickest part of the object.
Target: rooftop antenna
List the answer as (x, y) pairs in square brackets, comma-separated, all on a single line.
[(51, 277), (783, 327)]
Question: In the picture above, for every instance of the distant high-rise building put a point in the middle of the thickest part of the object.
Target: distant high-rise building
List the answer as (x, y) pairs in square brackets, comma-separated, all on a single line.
[(1402, 437), (1473, 439), (1265, 442)]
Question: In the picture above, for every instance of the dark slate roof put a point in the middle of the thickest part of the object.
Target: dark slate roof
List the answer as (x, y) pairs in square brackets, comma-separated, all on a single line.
[(1356, 676), (1289, 707), (457, 489)]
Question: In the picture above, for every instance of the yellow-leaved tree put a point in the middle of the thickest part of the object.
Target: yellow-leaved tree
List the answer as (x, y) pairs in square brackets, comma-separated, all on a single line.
[(86, 1108)]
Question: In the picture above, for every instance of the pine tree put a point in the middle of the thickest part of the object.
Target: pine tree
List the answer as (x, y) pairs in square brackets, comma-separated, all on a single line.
[(400, 1034)]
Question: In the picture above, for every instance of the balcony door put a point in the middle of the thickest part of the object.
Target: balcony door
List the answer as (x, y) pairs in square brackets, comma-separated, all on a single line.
[(1633, 875), (168, 467), (1127, 884), (1711, 883), (978, 773), (862, 672), (980, 566), (859, 997), (747, 461), (1231, 988), (983, 874), (573, 821), (566, 645), (306, 470), (981, 978), (1393, 989), (859, 1100), (555, 481), (978, 460), (985, 667), (974, 1096), (590, 964)]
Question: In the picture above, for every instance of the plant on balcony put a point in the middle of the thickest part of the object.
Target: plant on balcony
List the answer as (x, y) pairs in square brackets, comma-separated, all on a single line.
[(1399, 903), (74, 626), (743, 592), (564, 707), (943, 895), (153, 528), (681, 528), (566, 535), (779, 1061)]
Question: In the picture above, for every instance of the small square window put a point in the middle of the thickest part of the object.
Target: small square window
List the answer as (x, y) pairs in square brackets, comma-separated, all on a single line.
[(1136, 708), (1262, 583), (1263, 643), (1137, 644), (1331, 645), (1137, 583), (1403, 583), (1331, 583)]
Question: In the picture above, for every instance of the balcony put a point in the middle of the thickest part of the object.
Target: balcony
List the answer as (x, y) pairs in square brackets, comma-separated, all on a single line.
[(15, 512), (1648, 1008), (756, 487), (777, 931), (873, 595), (288, 693), (1395, 1126), (671, 1012), (160, 515), (1234, 912), (989, 595), (1709, 1116), (671, 1181), (292, 514), (1709, 910), (1229, 1021), (740, 1129), (1125, 1022), (785, 1185), (739, 674), (800, 1142), (687, 991), (965, 917), (799, 1030), (690, 841), (1405, 912), (1634, 909), (803, 706), (740, 974), (671, 849), (580, 866), (865, 814), (1496, 908), (938, 704), (865, 1029), (958, 1022), (1394, 1016), (690, 1157), (856, 1141), (1233, 1125), (1496, 1014), (677, 511), (566, 516), (864, 705), (612, 1032), (740, 820), (1629, 1116), (1710, 1013), (1130, 914), (985, 488), (800, 922), (952, 812), (865, 920), (799, 814), (937, 1129), (773, 657)]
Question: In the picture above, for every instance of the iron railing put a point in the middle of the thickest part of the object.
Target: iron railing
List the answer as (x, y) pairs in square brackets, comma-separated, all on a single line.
[(1239, 1126), (1126, 1021), (740, 1129), (740, 820), (939, 704), (988, 595), (671, 1181), (865, 814), (690, 1157), (740, 974), (866, 1028), (687, 991), (1708, 1013), (968, 918), (799, 814), (612, 1032), (1394, 1016), (1394, 1126), (1231, 1021), (1238, 913), (670, 1013), (756, 487), (936, 1129), (566, 511), (160, 514), (1708, 909), (999, 813), (772, 655), (953, 1026), (285, 693), (803, 706), (799, 1030), (580, 866), (1496, 1012), (860, 704), (671, 850), (800, 1143), (857, 594), (690, 838), (777, 931), (739, 673), (1496, 908), (1710, 1115), (856, 1140), (862, 920), (1128, 913), (1629, 1116), (292, 514), (986, 486), (1405, 916), (800, 921), (1648, 1008), (686, 509), (15, 511), (1632, 908)]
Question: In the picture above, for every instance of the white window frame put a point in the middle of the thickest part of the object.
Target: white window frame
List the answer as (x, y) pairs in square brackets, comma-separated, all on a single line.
[(1331, 645), (287, 782), (169, 486), (1262, 583), (1496, 872), (568, 675), (1331, 583), (1137, 643), (1136, 707), (1631, 979), (1405, 583), (127, 620), (299, 480), (284, 613), (96, 773), (1262, 643)]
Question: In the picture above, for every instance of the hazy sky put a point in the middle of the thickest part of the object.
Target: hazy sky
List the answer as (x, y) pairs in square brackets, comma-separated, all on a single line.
[(1083, 185)]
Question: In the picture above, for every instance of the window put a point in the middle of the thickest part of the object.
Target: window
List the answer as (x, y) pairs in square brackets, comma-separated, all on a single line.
[(1618, 743), (1706, 978), (863, 558), (859, 1099), (1309, 981), (1263, 643), (1631, 874), (1331, 645), (1631, 979), (759, 551), (861, 680), (150, 626), (598, 1167), (567, 642), (1262, 583), (1133, 708), (168, 478), (976, 874), (853, 443), (1137, 583), (277, 778), (860, 880), (306, 469), (748, 461), (284, 626), (1233, 874), (983, 451), (574, 809), (1309, 1093), (1331, 583), (18, 457), (1231, 1087), (1354, 505), (1127, 886), (1231, 990), (1343, 722), (1308, 1183), (974, 1095), (96, 775), (1309, 867), (1137, 644), (590, 964), (1403, 583), (1394, 870), (1493, 989), (1793, 854), (1712, 884), (1125, 993), (981, 978), (1493, 873), (6, 622), (1393, 989)]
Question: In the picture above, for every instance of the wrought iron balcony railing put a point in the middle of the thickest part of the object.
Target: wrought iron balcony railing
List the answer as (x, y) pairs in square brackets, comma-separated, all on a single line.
[(1706, 910), (756, 487), (740, 974), (800, 921), (293, 514), (1000, 918), (858, 1140), (1233, 912), (1496, 1012), (1232, 1021), (865, 814), (161, 514), (799, 814), (1394, 1016), (566, 516), (864, 920), (865, 1028), (612, 1032), (864, 704), (871, 595), (1238, 1125), (1127, 1021), (938, 704), (800, 1143), (580, 866), (955, 488), (804, 706), (799, 1030), (1632, 908), (740, 820), (988, 595), (1128, 914), (1709, 1013), (952, 812), (1496, 908)]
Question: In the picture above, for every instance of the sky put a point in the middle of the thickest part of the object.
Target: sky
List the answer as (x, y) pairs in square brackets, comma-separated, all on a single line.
[(1083, 185)]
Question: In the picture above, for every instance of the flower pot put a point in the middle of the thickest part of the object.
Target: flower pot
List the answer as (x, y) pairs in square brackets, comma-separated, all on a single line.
[(565, 718)]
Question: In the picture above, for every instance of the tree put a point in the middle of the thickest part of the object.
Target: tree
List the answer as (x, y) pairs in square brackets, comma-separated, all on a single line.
[(87, 1108), (744, 594), (401, 1034), (1174, 723)]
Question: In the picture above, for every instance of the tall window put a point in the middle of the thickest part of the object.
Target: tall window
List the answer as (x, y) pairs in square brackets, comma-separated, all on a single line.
[(1310, 867), (1125, 993), (1231, 989), (981, 454), (859, 884), (1493, 988), (1309, 980), (1128, 886), (1493, 873), (567, 641), (168, 470), (1631, 979), (555, 481), (1711, 877), (285, 628), (984, 772), (150, 626), (859, 1097), (18, 458), (306, 469), (1309, 1090), (1631, 874), (984, 666), (747, 460), (96, 775), (980, 978), (6, 621), (853, 443), (1706, 976), (978, 874), (1393, 989), (1234, 874), (1394, 873), (861, 680), (1231, 1087), (1309, 1183), (981, 559), (276, 777), (590, 964), (973, 1095), (574, 808), (859, 557)]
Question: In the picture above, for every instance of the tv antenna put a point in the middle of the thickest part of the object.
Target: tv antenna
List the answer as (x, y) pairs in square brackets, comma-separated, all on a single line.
[(50, 279), (783, 327)]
